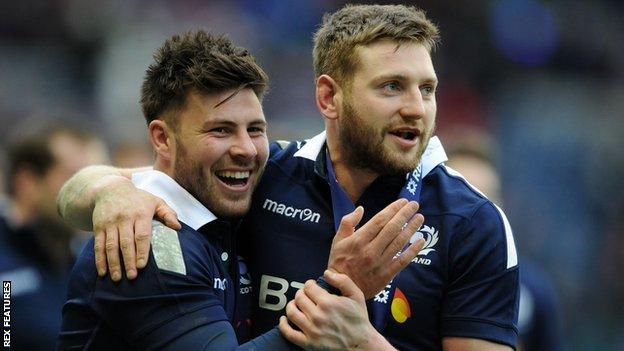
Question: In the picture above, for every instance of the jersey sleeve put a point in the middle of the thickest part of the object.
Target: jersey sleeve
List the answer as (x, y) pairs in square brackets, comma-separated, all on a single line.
[(220, 336), (159, 305), (482, 299)]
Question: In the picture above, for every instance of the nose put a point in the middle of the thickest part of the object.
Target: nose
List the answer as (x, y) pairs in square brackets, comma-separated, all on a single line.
[(243, 147), (413, 105)]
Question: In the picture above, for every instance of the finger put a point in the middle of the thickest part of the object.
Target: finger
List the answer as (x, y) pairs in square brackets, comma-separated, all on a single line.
[(348, 223), (128, 249), (112, 253), (394, 228), (404, 259), (167, 215), (142, 236), (292, 335), (303, 303), (372, 228), (298, 318), (100, 252), (315, 292), (402, 239), (346, 286)]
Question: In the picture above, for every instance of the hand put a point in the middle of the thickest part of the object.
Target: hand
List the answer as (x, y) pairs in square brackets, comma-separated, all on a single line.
[(122, 218), (369, 257), (331, 322)]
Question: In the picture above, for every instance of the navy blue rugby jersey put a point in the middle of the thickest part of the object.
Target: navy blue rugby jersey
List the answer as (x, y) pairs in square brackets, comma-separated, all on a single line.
[(463, 283), (193, 278)]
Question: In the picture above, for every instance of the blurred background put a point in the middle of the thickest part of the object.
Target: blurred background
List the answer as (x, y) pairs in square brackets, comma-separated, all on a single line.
[(539, 84)]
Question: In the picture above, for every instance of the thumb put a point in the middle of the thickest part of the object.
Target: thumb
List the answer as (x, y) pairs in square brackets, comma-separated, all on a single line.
[(167, 215), (346, 286), (348, 223)]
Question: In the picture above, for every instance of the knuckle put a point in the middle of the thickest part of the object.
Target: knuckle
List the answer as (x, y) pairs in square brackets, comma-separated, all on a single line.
[(97, 247), (142, 236), (125, 243), (111, 246)]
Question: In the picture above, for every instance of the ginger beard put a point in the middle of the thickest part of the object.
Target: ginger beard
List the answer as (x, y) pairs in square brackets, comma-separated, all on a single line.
[(364, 146), (200, 182)]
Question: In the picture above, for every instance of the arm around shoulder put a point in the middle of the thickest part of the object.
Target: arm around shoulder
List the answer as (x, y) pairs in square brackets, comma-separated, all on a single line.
[(76, 199)]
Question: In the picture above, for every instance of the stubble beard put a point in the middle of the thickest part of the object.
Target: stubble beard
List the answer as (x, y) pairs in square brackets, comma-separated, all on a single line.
[(365, 149), (191, 175)]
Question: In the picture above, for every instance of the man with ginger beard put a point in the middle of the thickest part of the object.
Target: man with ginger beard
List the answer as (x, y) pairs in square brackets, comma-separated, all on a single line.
[(375, 87)]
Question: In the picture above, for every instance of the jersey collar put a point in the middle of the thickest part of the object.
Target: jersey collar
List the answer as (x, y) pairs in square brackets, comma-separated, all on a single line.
[(434, 153), (189, 210)]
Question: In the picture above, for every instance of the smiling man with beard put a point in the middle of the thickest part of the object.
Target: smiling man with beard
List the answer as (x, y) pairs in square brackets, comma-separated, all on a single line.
[(375, 87)]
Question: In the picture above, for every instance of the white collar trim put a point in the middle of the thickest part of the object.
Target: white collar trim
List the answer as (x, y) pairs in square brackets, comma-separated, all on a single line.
[(434, 153), (312, 147), (189, 210)]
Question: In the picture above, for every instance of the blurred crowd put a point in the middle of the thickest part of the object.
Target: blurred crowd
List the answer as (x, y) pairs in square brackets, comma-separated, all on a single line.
[(539, 84)]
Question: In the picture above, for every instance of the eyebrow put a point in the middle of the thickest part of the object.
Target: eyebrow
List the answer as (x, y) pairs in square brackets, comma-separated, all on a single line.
[(230, 123), (402, 77)]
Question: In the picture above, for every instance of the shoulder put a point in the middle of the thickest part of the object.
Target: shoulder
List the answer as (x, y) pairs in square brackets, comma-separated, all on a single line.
[(186, 251), (479, 226), (448, 192), (291, 159)]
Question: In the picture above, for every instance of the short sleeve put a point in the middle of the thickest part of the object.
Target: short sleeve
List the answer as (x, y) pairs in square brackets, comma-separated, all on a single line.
[(482, 299)]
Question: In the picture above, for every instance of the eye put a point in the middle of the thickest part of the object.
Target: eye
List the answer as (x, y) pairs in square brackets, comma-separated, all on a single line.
[(255, 130), (219, 131), (391, 87), (427, 90)]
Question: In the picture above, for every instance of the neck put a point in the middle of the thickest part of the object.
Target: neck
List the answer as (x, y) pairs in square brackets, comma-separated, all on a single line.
[(164, 166), (353, 180)]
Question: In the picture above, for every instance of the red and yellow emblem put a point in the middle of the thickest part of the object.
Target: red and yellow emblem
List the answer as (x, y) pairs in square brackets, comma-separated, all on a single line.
[(400, 307)]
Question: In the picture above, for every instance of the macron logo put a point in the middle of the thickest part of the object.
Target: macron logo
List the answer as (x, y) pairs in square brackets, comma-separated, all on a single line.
[(306, 214)]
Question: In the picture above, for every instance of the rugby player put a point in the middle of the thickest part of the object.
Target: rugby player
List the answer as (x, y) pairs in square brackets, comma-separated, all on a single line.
[(201, 99), (375, 87)]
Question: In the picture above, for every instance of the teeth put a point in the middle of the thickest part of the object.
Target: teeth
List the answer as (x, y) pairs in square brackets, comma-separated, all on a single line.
[(235, 175)]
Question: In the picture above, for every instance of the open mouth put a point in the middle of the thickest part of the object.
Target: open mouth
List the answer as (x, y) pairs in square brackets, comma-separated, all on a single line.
[(234, 179), (406, 134)]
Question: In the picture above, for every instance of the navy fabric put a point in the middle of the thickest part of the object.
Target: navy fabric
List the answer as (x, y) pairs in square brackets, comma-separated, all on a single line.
[(159, 306), (539, 326), (459, 285), (37, 287)]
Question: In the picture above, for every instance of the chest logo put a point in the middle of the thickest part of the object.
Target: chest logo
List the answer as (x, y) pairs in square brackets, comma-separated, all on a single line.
[(430, 234), (400, 307), (303, 214)]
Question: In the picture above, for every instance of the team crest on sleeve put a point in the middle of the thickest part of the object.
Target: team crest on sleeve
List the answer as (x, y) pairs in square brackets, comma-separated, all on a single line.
[(430, 235), (166, 249)]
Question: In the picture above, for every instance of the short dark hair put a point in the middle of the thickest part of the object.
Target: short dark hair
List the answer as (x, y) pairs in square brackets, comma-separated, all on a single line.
[(200, 61)]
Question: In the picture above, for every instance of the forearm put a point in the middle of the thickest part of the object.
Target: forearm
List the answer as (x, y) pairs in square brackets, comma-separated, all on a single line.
[(77, 197)]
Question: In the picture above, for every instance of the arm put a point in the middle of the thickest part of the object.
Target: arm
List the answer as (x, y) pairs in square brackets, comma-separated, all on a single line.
[(331, 322), (121, 215), (221, 336), (480, 307), (77, 197)]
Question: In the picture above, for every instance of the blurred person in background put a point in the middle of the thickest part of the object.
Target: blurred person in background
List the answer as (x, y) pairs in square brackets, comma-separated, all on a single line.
[(38, 248), (539, 327)]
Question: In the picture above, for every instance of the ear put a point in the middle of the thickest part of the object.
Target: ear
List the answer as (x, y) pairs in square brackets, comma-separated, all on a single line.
[(162, 139), (328, 96)]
